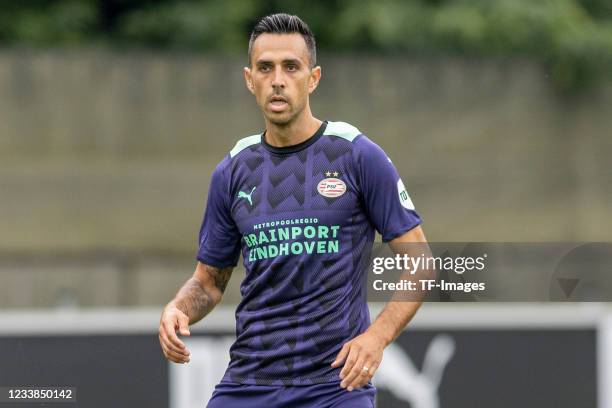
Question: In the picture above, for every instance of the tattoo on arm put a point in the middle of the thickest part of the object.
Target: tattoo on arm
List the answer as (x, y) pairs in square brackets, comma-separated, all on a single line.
[(193, 300), (196, 298), (221, 276)]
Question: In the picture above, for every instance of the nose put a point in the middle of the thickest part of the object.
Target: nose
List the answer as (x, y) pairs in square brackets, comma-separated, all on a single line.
[(278, 81)]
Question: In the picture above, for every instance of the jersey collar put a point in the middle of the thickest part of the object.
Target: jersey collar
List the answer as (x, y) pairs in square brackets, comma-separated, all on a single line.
[(297, 147)]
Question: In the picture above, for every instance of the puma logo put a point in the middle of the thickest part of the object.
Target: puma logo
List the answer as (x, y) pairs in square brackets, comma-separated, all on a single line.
[(400, 376), (242, 194)]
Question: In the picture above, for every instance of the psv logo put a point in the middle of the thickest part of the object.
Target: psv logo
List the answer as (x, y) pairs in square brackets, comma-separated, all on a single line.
[(331, 187)]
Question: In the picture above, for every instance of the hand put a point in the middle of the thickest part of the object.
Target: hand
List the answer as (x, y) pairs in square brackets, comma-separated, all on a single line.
[(172, 319), (364, 351)]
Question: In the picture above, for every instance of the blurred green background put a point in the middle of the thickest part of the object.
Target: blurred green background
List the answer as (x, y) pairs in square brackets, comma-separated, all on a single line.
[(573, 36), (497, 114)]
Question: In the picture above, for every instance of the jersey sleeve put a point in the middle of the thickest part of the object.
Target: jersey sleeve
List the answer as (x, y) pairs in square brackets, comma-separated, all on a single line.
[(219, 237), (385, 198)]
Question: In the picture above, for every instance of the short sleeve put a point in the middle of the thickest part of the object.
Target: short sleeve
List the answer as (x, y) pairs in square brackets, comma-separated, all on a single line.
[(219, 236), (386, 200)]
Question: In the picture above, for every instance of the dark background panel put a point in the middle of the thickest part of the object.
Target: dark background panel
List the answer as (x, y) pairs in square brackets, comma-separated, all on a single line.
[(108, 371), (509, 368), (503, 368)]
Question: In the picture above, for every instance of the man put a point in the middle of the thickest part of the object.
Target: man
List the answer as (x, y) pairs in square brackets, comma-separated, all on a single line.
[(301, 201)]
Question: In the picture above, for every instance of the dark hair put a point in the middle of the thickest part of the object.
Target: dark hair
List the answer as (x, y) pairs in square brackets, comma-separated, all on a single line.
[(282, 23)]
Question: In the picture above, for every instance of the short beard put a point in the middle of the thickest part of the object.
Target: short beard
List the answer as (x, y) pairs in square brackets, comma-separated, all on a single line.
[(282, 122)]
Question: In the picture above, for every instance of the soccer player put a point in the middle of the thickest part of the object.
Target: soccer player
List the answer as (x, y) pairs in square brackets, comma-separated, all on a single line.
[(301, 201)]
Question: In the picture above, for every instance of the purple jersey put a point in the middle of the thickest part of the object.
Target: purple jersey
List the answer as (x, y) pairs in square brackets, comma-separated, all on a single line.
[(304, 218)]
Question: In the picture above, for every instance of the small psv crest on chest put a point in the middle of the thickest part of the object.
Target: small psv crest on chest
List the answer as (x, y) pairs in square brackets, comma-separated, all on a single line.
[(331, 187)]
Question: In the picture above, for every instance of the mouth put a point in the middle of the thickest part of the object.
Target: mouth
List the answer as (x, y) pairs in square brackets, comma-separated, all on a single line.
[(278, 103)]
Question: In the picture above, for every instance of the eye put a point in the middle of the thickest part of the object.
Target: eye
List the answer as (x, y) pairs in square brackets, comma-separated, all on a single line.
[(291, 67), (264, 68)]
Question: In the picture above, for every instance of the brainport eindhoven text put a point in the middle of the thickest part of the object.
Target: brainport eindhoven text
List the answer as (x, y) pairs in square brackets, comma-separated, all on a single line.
[(291, 237)]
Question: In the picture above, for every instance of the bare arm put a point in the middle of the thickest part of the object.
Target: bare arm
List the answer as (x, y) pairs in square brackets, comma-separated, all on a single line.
[(198, 296), (396, 314), (362, 355)]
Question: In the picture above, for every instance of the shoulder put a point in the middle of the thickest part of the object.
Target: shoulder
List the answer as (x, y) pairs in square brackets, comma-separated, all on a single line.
[(243, 144), (350, 133), (243, 149), (360, 144), (238, 152), (342, 130)]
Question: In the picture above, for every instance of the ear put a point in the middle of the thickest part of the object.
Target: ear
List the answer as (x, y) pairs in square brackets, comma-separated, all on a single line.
[(315, 77), (249, 80)]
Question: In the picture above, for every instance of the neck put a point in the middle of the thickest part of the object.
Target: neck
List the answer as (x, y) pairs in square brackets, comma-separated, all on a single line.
[(295, 132)]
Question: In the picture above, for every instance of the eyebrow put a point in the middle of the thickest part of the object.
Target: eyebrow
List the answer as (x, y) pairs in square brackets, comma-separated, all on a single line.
[(285, 61)]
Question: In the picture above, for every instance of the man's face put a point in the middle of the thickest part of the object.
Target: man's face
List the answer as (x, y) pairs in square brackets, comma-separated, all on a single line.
[(280, 76)]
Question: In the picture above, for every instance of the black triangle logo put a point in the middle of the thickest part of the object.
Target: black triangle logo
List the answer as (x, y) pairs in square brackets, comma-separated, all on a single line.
[(568, 285)]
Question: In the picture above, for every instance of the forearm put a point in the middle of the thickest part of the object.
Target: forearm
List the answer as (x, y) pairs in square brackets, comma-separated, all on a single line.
[(193, 300), (393, 319), (397, 313), (200, 294)]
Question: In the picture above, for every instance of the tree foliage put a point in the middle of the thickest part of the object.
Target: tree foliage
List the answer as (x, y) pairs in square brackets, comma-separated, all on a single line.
[(574, 37)]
